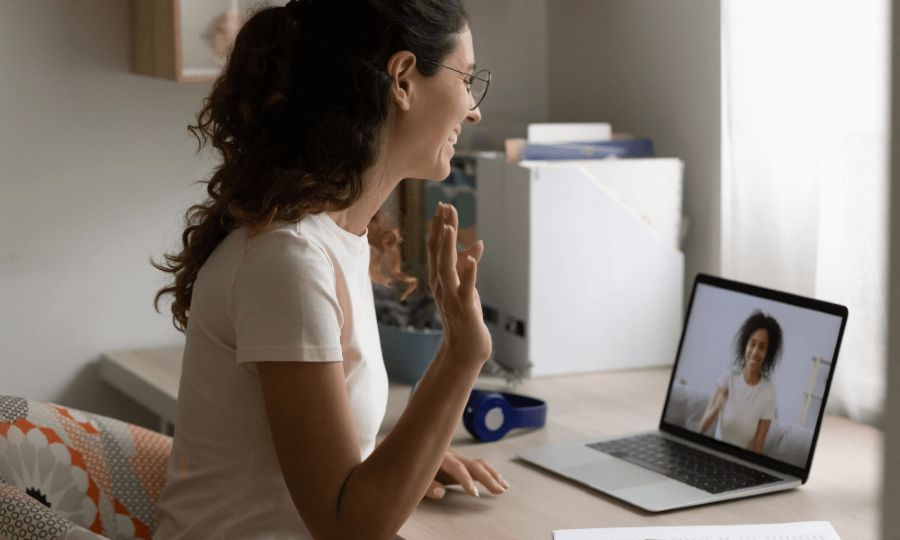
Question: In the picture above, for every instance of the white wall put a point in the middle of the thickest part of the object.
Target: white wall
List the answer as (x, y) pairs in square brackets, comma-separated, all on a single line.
[(95, 172), (510, 40), (650, 68)]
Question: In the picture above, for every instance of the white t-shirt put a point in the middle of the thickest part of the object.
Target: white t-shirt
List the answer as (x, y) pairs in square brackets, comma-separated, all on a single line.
[(299, 292), (745, 407)]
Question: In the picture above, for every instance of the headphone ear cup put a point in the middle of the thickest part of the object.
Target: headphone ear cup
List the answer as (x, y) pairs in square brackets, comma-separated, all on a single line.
[(475, 399), (479, 405), (518, 411)]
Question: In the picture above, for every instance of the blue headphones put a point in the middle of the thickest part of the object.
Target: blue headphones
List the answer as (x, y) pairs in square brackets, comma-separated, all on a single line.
[(514, 411)]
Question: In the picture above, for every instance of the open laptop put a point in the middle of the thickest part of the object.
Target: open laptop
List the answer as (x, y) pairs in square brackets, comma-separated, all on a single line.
[(760, 399)]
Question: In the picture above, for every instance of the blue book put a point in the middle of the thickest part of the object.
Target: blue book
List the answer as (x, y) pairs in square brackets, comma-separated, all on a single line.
[(616, 148)]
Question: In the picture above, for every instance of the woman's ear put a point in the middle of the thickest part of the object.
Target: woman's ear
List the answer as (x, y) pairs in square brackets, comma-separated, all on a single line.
[(401, 67)]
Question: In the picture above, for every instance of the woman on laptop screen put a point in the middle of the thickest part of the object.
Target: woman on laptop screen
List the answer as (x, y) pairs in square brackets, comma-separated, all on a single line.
[(743, 404)]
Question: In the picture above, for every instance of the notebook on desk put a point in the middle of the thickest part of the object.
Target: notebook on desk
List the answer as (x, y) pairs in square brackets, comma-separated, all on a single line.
[(743, 410), (806, 530)]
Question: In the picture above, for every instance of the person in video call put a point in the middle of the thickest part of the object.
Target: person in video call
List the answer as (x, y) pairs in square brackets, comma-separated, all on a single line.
[(743, 404), (322, 109)]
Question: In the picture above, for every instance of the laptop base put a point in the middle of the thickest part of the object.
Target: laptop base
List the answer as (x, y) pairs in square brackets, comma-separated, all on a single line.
[(636, 485)]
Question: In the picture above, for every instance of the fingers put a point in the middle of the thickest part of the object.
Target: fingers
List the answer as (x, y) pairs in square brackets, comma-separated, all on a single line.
[(447, 259), (442, 255), (443, 214), (495, 473), (476, 250), (468, 278), (467, 471), (433, 236), (479, 472), (457, 470), (435, 491), (442, 248)]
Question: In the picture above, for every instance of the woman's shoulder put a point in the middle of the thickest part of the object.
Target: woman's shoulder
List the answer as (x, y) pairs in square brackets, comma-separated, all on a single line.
[(282, 236), (725, 378), (283, 245)]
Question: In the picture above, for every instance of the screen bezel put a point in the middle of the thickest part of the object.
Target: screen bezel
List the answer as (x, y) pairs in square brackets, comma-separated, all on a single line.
[(778, 296)]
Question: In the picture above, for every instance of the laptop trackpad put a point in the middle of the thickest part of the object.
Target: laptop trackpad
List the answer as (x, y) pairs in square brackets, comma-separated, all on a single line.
[(612, 474)]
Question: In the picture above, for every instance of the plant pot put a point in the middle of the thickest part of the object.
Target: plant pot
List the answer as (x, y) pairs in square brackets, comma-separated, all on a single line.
[(408, 352)]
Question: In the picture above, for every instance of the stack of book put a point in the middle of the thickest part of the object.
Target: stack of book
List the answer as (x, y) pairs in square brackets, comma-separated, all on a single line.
[(576, 141)]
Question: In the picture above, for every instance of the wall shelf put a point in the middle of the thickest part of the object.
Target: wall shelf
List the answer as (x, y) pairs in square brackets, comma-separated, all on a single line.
[(185, 40)]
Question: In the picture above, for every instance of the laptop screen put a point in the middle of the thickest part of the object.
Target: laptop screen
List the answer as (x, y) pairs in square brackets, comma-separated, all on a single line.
[(754, 368)]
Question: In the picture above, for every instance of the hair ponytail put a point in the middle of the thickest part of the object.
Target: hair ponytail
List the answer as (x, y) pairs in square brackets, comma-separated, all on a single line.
[(206, 226)]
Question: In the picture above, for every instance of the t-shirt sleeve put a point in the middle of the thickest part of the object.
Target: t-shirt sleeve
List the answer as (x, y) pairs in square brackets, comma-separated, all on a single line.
[(284, 302), (723, 380)]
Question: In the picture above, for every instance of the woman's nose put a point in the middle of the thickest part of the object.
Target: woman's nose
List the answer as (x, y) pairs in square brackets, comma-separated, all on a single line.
[(474, 116)]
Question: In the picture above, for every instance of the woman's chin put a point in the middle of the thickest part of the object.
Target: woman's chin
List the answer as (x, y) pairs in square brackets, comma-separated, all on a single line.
[(439, 168), (439, 172), (445, 161)]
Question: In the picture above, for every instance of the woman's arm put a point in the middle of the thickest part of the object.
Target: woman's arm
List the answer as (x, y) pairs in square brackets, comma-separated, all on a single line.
[(759, 440), (713, 408), (312, 426)]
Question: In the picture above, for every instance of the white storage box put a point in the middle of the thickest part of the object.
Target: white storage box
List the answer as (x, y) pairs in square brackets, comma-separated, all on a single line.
[(574, 278)]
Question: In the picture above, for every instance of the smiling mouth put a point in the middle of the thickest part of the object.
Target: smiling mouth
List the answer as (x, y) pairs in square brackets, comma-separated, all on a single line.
[(453, 139)]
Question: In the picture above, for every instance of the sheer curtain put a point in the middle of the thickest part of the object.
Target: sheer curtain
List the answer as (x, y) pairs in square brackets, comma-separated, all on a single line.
[(805, 174)]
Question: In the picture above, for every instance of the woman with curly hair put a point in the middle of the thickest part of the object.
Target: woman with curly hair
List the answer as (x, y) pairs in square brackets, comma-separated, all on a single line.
[(322, 109), (743, 405)]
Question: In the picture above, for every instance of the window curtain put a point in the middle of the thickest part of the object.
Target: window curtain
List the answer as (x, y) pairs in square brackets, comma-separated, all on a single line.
[(805, 95)]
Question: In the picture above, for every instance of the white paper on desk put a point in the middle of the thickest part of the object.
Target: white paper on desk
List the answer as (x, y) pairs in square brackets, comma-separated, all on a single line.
[(806, 530)]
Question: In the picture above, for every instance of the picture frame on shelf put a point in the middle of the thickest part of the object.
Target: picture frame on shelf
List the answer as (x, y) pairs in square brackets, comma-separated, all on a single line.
[(187, 40)]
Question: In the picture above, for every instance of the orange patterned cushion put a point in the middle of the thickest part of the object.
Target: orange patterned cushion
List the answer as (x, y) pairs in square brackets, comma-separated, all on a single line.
[(24, 517), (98, 473)]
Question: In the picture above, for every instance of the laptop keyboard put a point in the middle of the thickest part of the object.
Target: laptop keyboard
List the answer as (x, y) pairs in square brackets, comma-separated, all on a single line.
[(683, 463)]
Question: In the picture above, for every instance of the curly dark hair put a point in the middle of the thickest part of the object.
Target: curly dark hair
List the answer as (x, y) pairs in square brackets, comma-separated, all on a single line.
[(296, 116), (759, 321)]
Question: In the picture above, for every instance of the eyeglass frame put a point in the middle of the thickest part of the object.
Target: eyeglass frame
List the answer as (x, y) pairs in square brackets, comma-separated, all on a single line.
[(487, 82)]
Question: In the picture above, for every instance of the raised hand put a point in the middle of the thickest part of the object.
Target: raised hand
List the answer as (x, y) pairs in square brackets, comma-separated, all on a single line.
[(713, 408), (452, 277)]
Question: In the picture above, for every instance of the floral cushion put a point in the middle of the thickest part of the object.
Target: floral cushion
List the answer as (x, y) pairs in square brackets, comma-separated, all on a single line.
[(22, 517), (98, 473)]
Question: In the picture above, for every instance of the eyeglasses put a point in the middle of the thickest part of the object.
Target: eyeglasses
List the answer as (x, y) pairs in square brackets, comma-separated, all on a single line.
[(477, 83)]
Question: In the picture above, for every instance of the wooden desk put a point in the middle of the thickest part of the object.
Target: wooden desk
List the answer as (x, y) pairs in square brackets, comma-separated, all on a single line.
[(844, 485), (149, 376)]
